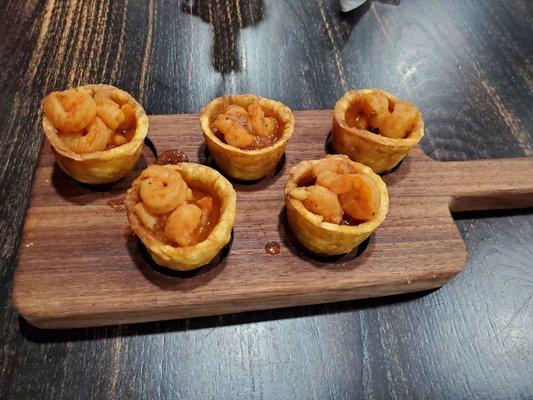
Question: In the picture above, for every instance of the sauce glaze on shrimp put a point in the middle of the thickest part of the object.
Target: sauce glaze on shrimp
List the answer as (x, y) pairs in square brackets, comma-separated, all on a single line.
[(246, 128), (175, 213), (377, 113), (88, 122), (340, 194)]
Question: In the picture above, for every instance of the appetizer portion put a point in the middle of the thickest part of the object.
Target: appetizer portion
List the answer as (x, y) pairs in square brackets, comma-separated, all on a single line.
[(247, 129), (96, 132), (334, 204), (246, 134), (182, 213), (375, 128)]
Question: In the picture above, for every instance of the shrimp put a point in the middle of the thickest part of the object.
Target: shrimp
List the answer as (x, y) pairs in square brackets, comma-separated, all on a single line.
[(129, 117), (69, 111), (107, 109), (239, 114), (262, 126), (183, 224), (235, 134), (96, 139), (334, 174), (119, 139), (332, 165), (109, 94), (324, 202), (163, 189), (146, 217), (376, 108), (206, 205), (234, 110), (363, 201), (398, 123), (339, 184)]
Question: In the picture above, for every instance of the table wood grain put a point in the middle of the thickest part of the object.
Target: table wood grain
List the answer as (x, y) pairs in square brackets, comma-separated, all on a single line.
[(465, 63)]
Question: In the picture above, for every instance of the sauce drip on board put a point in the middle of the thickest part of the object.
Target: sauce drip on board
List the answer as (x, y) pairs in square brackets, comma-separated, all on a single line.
[(172, 157), (273, 248), (117, 204)]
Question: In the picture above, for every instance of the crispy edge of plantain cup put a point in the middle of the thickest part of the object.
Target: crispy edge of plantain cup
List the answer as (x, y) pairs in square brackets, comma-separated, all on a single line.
[(240, 164), (324, 237), (376, 151), (100, 167), (200, 254)]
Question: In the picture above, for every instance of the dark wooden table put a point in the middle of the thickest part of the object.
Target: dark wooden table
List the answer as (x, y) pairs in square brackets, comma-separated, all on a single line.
[(465, 63)]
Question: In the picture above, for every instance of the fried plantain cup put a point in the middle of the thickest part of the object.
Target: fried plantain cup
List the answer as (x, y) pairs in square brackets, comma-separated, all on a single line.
[(329, 238), (243, 164), (100, 167), (193, 256), (379, 152)]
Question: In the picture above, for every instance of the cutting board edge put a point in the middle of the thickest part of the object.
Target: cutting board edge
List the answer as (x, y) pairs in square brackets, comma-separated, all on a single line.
[(58, 320), (507, 181)]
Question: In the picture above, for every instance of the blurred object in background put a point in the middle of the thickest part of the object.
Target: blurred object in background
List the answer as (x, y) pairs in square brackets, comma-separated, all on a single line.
[(349, 5), (227, 17)]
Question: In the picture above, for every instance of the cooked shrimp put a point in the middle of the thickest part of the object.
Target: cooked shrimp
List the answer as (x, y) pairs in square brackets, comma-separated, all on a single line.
[(398, 123), (107, 94), (332, 165), (183, 224), (146, 217), (271, 125), (363, 202), (324, 202), (206, 205), (119, 139), (96, 139), (129, 117), (262, 126), (299, 193), (334, 174), (235, 134), (107, 109), (69, 111), (337, 183), (162, 189), (375, 107), (234, 110)]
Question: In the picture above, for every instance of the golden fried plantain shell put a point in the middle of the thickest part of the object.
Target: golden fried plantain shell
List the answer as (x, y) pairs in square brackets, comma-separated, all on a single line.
[(246, 164), (325, 237), (100, 167), (191, 257), (376, 151)]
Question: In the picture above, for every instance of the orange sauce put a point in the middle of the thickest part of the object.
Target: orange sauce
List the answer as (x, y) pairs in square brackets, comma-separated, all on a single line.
[(310, 180), (273, 248), (259, 142), (203, 231), (172, 157), (353, 113), (127, 133), (355, 118)]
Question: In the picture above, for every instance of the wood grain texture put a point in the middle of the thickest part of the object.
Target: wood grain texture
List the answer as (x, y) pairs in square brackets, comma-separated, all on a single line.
[(78, 269), (97, 276), (465, 63)]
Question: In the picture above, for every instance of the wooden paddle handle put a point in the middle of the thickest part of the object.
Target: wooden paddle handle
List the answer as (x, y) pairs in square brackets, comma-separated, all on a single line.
[(489, 184)]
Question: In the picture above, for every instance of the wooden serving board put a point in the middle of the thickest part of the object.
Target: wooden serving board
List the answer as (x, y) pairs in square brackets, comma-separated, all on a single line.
[(79, 268)]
